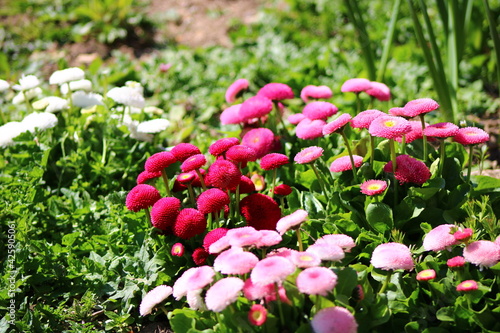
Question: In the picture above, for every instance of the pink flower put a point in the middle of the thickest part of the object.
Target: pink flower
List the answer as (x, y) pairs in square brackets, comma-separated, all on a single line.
[(254, 291), (165, 67), (223, 293), (308, 129), (379, 90), (457, 261), (268, 238), (235, 89), (482, 253), (463, 235), (292, 221), (241, 154), (194, 162), (419, 106), (327, 252), (365, 118), (257, 315), (186, 178), (246, 185), (282, 189), (344, 163), (426, 275), (231, 115), (356, 85), (260, 139), (212, 236), (164, 212), (221, 146), (189, 223), (305, 259), (440, 238), (316, 92), (296, 118), (409, 170), (193, 279), (271, 270), (468, 285), (219, 245), (441, 130), (243, 236), (154, 297), (212, 200), (177, 250), (276, 91), (235, 261), (334, 320), (183, 151), (398, 112), (255, 107), (389, 127), (344, 241), (223, 174), (471, 136), (316, 281), (373, 187), (308, 155), (392, 256), (273, 161), (258, 181), (144, 176), (414, 133), (141, 196), (319, 110), (159, 161), (337, 124)]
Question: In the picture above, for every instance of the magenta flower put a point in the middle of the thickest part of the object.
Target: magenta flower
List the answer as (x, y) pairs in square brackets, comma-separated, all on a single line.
[(337, 124), (260, 139), (392, 256), (426, 275), (194, 162), (468, 285), (471, 136), (308, 155), (344, 241), (221, 146), (154, 297), (440, 238), (315, 92), (319, 110), (159, 161), (308, 129), (255, 107), (316, 281), (235, 261), (231, 115), (334, 320), (327, 252), (305, 259), (356, 85), (373, 187), (260, 211), (482, 253), (271, 270), (257, 315), (414, 134), (183, 151), (463, 235), (177, 250), (441, 130), (457, 261), (276, 91), (235, 89), (344, 163), (379, 90), (389, 127), (223, 174), (145, 176), (241, 154), (292, 221), (365, 118), (164, 213), (212, 236), (212, 200), (283, 190), (223, 293), (419, 106), (397, 112), (273, 161), (409, 170), (189, 223), (199, 256), (296, 118), (142, 196)]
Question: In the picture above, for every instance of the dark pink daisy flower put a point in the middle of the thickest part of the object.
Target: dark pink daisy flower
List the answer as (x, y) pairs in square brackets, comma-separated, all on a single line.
[(292, 221), (282, 189), (471, 136), (271, 270), (308, 155), (344, 163), (212, 236), (231, 115), (223, 293), (419, 106), (344, 241), (223, 174), (308, 129), (337, 125), (243, 236), (235, 261), (235, 89), (379, 90), (164, 213), (255, 107), (144, 176), (356, 85), (186, 177), (159, 161), (184, 150), (177, 250), (260, 211), (296, 118), (441, 130), (440, 238), (392, 256), (154, 297), (221, 146), (365, 118), (414, 134), (259, 139), (200, 256), (189, 223), (268, 238), (212, 200), (305, 259), (482, 253), (426, 275), (334, 320), (241, 154), (315, 92), (246, 185), (457, 261), (276, 91), (254, 291), (409, 170), (194, 162), (142, 196), (463, 235), (319, 110), (257, 315), (327, 252), (398, 112), (389, 127), (373, 187), (316, 281), (273, 161), (467, 285)]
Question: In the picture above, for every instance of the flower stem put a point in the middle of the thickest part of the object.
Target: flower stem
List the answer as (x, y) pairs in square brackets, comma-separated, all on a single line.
[(394, 167), (165, 180), (349, 150), (372, 147), (469, 166), (273, 183), (191, 195), (148, 215), (441, 158), (280, 309), (202, 181), (424, 137), (299, 239), (386, 282), (320, 180)]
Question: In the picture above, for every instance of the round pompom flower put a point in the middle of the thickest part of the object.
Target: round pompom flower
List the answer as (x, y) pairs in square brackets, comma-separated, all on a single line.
[(200, 256), (391, 256), (305, 259), (260, 139), (231, 115), (379, 90), (365, 118), (409, 170), (296, 118), (337, 125), (186, 177), (389, 127), (282, 189), (308, 129), (246, 185), (397, 112), (177, 250), (223, 293), (276, 91), (255, 107), (189, 223), (223, 174), (308, 155), (241, 154), (441, 130), (440, 238), (457, 261), (154, 297), (316, 92), (468, 285), (142, 196), (292, 221), (66, 75), (482, 253), (182, 151), (254, 291), (164, 212), (194, 162), (271, 270), (212, 236), (344, 163), (268, 238), (326, 251), (212, 200), (414, 133), (260, 211), (144, 176), (373, 187), (159, 161), (334, 319), (319, 110), (463, 235), (235, 261), (356, 85), (193, 279), (257, 315), (40, 120), (426, 275), (471, 136), (273, 161), (316, 281), (243, 236), (344, 241), (235, 89), (419, 106), (221, 146)]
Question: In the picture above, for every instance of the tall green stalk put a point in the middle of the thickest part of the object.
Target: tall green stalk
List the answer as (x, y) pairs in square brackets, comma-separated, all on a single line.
[(388, 41), (494, 37)]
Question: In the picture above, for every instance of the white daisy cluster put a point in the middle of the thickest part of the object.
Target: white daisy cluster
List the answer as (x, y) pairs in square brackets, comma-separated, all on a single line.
[(32, 122)]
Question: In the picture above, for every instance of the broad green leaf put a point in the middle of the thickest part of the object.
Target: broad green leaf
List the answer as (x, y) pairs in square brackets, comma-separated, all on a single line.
[(379, 216)]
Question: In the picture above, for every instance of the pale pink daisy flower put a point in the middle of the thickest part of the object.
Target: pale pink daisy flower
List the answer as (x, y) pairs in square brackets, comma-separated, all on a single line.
[(154, 297), (254, 291), (305, 259), (344, 241), (235, 261), (276, 91), (282, 252), (292, 221), (319, 110), (195, 300), (334, 320), (467, 285), (497, 241), (409, 170), (219, 245), (440, 238), (243, 236), (389, 127), (193, 279), (260, 139), (365, 118), (315, 92), (457, 261), (271, 270), (255, 107), (316, 281), (441, 130), (356, 85), (379, 90), (344, 163), (419, 106), (482, 253), (426, 275), (414, 133), (391, 256), (235, 89), (268, 238), (373, 187), (308, 155), (327, 252), (471, 136), (231, 115), (337, 124), (257, 315), (223, 293), (308, 129), (282, 295), (296, 118)]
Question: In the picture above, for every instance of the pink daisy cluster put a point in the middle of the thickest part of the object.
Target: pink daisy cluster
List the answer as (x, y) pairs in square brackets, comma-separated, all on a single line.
[(313, 118), (374, 89)]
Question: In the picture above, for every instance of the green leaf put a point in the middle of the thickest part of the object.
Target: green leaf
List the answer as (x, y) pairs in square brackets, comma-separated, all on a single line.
[(181, 323), (486, 184), (69, 239), (379, 216), (446, 314)]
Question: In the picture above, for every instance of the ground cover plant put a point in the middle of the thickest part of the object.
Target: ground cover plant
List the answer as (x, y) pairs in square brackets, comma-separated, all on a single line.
[(274, 186)]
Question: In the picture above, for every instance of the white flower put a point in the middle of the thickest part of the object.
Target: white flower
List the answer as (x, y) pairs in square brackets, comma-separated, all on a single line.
[(134, 134), (4, 85), (27, 82), (153, 298), (76, 85), (127, 96), (136, 86), (66, 75), (9, 131), (29, 94), (84, 100), (153, 126), (40, 120), (51, 104)]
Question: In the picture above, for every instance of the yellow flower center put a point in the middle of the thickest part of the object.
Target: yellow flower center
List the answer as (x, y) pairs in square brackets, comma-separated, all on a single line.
[(390, 123), (467, 285), (305, 257), (374, 187)]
